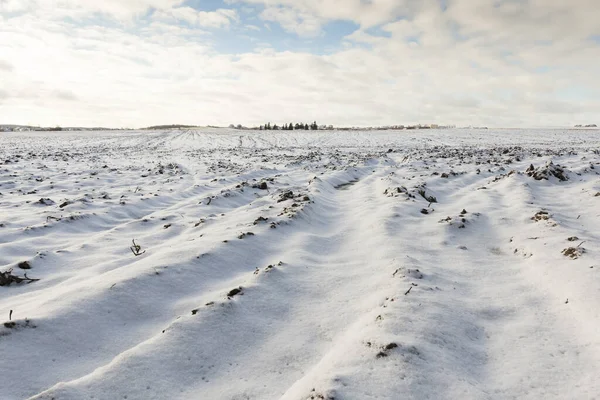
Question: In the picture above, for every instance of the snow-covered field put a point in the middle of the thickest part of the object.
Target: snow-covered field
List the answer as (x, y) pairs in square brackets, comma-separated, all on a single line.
[(300, 265)]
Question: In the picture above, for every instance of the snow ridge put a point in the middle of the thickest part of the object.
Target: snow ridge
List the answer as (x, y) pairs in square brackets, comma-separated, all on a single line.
[(370, 265)]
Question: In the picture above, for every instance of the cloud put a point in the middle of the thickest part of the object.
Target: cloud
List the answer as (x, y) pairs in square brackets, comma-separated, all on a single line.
[(220, 18), (5, 66), (15, 6), (64, 95), (292, 20), (365, 13), (532, 20), (497, 63), (121, 9)]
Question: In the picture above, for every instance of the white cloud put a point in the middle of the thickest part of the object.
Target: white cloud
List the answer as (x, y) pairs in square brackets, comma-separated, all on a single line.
[(15, 6), (5, 66), (122, 9), (220, 18), (366, 13), (473, 64), (252, 27), (293, 21)]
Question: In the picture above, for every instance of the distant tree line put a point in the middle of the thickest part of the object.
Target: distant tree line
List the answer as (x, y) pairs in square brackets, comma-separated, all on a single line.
[(54, 129), (290, 127), (173, 126)]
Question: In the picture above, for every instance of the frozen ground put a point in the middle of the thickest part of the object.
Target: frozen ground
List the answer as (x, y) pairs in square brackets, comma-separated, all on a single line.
[(350, 283)]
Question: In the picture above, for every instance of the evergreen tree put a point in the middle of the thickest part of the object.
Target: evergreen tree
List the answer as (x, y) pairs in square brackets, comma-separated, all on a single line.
[(291, 127), (305, 127)]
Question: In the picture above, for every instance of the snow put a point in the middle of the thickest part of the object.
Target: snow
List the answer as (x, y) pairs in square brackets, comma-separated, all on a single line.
[(354, 286)]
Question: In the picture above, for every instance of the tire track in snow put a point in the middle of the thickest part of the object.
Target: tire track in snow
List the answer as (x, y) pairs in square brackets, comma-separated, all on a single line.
[(319, 320), (316, 277), (449, 329), (146, 276)]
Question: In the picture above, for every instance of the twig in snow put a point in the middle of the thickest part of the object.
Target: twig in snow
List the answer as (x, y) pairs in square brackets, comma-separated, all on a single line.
[(6, 278), (136, 249), (408, 291), (430, 199), (579, 245)]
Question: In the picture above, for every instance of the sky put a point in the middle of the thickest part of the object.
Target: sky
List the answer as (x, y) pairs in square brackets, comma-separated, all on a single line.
[(135, 63)]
